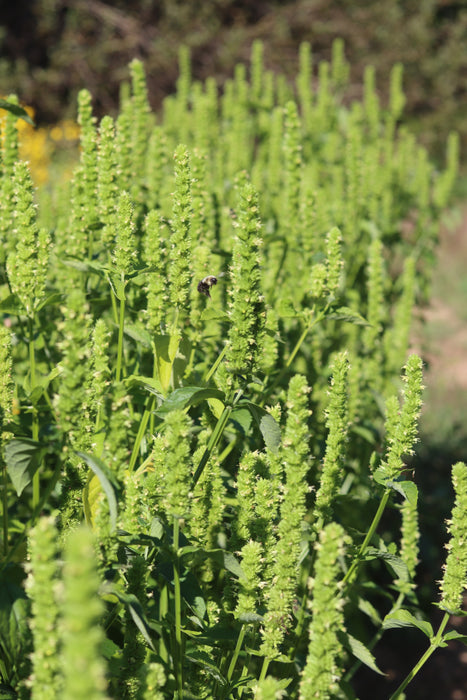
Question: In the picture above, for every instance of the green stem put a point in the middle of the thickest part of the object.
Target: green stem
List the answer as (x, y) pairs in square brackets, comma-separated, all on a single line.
[(233, 662), (264, 669), (163, 610), (141, 430), (214, 439), (5, 511), (348, 576), (435, 643), (118, 372), (215, 365), (35, 417), (177, 649)]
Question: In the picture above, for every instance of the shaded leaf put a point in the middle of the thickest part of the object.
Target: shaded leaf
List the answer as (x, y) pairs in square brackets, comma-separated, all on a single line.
[(107, 481), (345, 313), (398, 566), (404, 618), (407, 489), (360, 651), (268, 426), (23, 457), (188, 396), (137, 613), (15, 109)]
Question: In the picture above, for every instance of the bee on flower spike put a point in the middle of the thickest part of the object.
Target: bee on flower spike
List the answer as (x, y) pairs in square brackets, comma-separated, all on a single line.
[(205, 285)]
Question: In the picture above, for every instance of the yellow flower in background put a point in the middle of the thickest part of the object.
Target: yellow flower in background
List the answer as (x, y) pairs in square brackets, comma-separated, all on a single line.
[(39, 145)]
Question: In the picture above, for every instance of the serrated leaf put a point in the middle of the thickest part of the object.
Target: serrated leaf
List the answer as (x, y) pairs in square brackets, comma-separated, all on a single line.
[(404, 618), (134, 607), (456, 636), (250, 618), (15, 109), (11, 305), (361, 652), (148, 383), (224, 560), (211, 313), (407, 489), (88, 266), (140, 335), (188, 396), (107, 481), (23, 457), (49, 300), (345, 313), (368, 609), (202, 659), (268, 426), (398, 566)]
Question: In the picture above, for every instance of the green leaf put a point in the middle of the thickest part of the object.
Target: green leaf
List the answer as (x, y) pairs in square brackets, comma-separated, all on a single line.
[(150, 384), (404, 618), (202, 659), (223, 560), (210, 313), (136, 611), (166, 347), (455, 635), (368, 609), (118, 285), (11, 305), (16, 110), (140, 335), (88, 266), (268, 426), (242, 416), (188, 396), (14, 630), (345, 313), (398, 566), (49, 300), (107, 481), (360, 651), (23, 457), (407, 489)]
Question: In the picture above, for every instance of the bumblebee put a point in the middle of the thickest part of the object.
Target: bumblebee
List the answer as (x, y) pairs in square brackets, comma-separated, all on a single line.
[(205, 285)]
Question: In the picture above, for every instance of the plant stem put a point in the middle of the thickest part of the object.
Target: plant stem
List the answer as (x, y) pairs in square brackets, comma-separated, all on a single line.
[(435, 643), (118, 372), (215, 365), (213, 440), (35, 418), (369, 535), (177, 649), (5, 510), (233, 661), (141, 430)]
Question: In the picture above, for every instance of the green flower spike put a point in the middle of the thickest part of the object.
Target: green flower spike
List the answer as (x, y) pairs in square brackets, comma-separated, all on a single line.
[(321, 674), (246, 306), (42, 586), (454, 581)]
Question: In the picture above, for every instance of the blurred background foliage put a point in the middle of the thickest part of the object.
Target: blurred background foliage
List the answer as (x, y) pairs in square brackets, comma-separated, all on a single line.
[(51, 48)]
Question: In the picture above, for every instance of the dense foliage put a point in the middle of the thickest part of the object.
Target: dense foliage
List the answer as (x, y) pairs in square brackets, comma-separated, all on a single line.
[(203, 413)]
